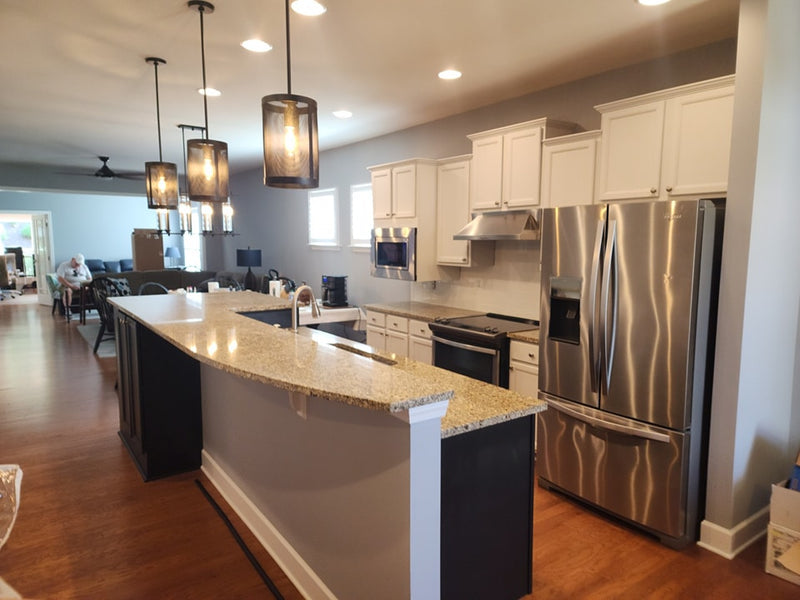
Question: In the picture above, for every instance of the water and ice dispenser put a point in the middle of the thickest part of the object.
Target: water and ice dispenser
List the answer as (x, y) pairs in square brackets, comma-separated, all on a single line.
[(565, 309)]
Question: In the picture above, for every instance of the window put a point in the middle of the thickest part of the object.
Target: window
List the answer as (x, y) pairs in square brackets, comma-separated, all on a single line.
[(323, 225), (360, 215)]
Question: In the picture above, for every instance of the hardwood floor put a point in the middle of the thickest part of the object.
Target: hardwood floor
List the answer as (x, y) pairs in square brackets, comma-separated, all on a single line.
[(89, 527)]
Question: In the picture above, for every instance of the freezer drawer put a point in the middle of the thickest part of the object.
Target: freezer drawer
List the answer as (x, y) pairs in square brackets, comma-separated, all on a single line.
[(634, 471)]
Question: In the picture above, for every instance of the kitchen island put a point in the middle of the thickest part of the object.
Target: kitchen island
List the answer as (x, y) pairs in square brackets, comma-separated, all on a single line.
[(364, 475)]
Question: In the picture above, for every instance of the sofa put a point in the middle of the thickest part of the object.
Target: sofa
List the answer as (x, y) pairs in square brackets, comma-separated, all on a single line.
[(97, 266), (172, 279)]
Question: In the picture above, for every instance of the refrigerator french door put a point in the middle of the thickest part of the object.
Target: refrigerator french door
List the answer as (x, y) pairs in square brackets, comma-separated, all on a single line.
[(628, 314)]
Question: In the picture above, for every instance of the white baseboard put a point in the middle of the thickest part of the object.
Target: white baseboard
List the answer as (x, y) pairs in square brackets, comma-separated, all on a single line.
[(296, 569), (730, 542)]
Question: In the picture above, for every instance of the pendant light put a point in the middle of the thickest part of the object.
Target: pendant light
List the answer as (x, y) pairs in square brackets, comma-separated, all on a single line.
[(184, 205), (161, 177), (291, 152), (207, 161)]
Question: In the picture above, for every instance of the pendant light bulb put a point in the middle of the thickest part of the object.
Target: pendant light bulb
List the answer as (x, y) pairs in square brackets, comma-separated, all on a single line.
[(161, 177)]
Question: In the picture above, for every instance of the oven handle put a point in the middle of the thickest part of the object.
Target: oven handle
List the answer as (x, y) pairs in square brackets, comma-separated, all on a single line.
[(463, 346)]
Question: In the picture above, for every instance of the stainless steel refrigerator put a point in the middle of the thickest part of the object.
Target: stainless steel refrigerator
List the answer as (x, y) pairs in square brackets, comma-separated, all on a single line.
[(628, 317)]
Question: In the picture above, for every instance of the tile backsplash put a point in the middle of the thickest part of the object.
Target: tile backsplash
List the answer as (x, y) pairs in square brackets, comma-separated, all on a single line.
[(510, 286)]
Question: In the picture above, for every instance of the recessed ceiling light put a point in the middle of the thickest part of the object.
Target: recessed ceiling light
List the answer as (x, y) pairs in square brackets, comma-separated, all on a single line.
[(449, 74), (256, 46), (651, 2), (309, 8), (209, 91), (342, 114)]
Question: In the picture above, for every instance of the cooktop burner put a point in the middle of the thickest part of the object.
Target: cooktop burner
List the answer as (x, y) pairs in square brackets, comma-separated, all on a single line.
[(488, 325)]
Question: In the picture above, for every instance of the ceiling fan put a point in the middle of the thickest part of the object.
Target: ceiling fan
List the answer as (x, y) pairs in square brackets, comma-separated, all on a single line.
[(105, 172)]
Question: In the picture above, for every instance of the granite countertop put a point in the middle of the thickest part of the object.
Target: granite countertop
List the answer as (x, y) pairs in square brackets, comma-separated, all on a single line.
[(531, 336), (208, 327), (421, 310)]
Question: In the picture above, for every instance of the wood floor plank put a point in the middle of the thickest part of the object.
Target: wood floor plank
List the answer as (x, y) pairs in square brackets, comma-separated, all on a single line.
[(89, 527)]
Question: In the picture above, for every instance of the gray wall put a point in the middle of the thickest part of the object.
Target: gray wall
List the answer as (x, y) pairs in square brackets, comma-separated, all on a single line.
[(99, 226), (276, 220)]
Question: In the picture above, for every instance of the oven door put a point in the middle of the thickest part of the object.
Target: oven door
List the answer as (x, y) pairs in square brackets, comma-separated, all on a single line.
[(478, 362)]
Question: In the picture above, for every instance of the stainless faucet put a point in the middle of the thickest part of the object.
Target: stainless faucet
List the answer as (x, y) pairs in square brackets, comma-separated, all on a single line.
[(314, 307)]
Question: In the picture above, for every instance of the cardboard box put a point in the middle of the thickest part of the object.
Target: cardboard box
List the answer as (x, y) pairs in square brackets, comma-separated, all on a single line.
[(783, 533)]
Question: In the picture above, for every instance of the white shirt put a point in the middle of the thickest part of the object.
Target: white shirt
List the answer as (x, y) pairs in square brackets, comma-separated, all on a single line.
[(73, 274)]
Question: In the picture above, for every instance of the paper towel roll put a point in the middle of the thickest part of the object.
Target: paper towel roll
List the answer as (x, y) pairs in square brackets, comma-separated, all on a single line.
[(275, 288), (213, 286)]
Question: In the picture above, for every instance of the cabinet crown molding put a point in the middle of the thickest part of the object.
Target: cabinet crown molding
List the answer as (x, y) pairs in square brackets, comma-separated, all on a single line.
[(542, 122), (699, 86)]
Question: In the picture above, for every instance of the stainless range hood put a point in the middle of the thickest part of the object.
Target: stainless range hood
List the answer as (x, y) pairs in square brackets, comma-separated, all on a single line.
[(501, 225)]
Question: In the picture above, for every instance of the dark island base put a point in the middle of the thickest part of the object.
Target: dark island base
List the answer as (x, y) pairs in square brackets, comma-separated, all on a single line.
[(487, 512)]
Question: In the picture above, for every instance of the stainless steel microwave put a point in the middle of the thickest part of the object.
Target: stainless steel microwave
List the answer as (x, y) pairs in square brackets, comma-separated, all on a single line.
[(393, 253)]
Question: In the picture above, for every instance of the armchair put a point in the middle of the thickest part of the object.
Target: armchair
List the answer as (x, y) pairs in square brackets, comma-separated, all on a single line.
[(56, 289), (6, 289)]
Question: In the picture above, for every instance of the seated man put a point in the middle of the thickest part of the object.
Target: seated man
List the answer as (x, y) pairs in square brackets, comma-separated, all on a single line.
[(71, 273)]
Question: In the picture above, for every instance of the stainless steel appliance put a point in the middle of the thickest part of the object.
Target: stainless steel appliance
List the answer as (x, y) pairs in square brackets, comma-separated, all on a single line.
[(334, 290), (476, 346), (628, 317), (393, 253)]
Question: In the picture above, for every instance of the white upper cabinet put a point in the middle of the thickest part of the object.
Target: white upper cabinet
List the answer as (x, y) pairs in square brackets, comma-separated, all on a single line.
[(452, 210), (396, 189), (381, 193), (568, 169), (506, 164), (666, 144)]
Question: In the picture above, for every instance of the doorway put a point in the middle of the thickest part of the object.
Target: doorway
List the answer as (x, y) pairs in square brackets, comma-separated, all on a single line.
[(31, 231)]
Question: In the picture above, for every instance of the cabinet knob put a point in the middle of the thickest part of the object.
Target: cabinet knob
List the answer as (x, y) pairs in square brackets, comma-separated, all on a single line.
[(669, 188), (653, 190), (531, 355), (388, 214), (497, 204), (463, 260)]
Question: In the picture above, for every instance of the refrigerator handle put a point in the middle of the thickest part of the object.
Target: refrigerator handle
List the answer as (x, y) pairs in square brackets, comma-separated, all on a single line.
[(608, 324), (594, 342), (599, 423)]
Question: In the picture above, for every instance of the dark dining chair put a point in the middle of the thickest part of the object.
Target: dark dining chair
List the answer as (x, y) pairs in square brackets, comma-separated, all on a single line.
[(102, 289)]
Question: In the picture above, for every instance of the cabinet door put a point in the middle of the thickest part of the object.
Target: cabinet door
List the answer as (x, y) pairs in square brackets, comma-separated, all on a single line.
[(697, 143), (376, 337), (404, 191), (452, 213), (397, 342), (487, 172), (630, 152), (420, 349), (382, 193), (522, 153), (568, 172), (523, 378)]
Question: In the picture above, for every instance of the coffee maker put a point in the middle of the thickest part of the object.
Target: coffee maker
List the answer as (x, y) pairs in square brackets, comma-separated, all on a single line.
[(334, 290)]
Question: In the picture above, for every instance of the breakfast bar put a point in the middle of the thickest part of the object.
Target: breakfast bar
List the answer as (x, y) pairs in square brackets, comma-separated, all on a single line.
[(363, 474)]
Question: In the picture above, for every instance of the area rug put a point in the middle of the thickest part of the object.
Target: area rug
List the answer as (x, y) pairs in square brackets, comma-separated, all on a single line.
[(89, 331)]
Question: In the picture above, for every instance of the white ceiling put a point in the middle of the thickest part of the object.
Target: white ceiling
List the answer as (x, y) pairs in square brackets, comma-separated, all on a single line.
[(75, 83)]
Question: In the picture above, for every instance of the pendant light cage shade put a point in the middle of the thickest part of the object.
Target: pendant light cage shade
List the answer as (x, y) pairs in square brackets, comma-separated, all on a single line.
[(207, 170), (291, 152), (162, 185)]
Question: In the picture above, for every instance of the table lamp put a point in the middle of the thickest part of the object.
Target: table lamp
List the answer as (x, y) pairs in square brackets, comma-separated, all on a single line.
[(249, 258), (172, 253)]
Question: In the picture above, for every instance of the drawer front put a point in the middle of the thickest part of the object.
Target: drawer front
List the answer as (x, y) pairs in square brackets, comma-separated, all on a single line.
[(419, 328), (524, 352), (397, 323), (376, 318)]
